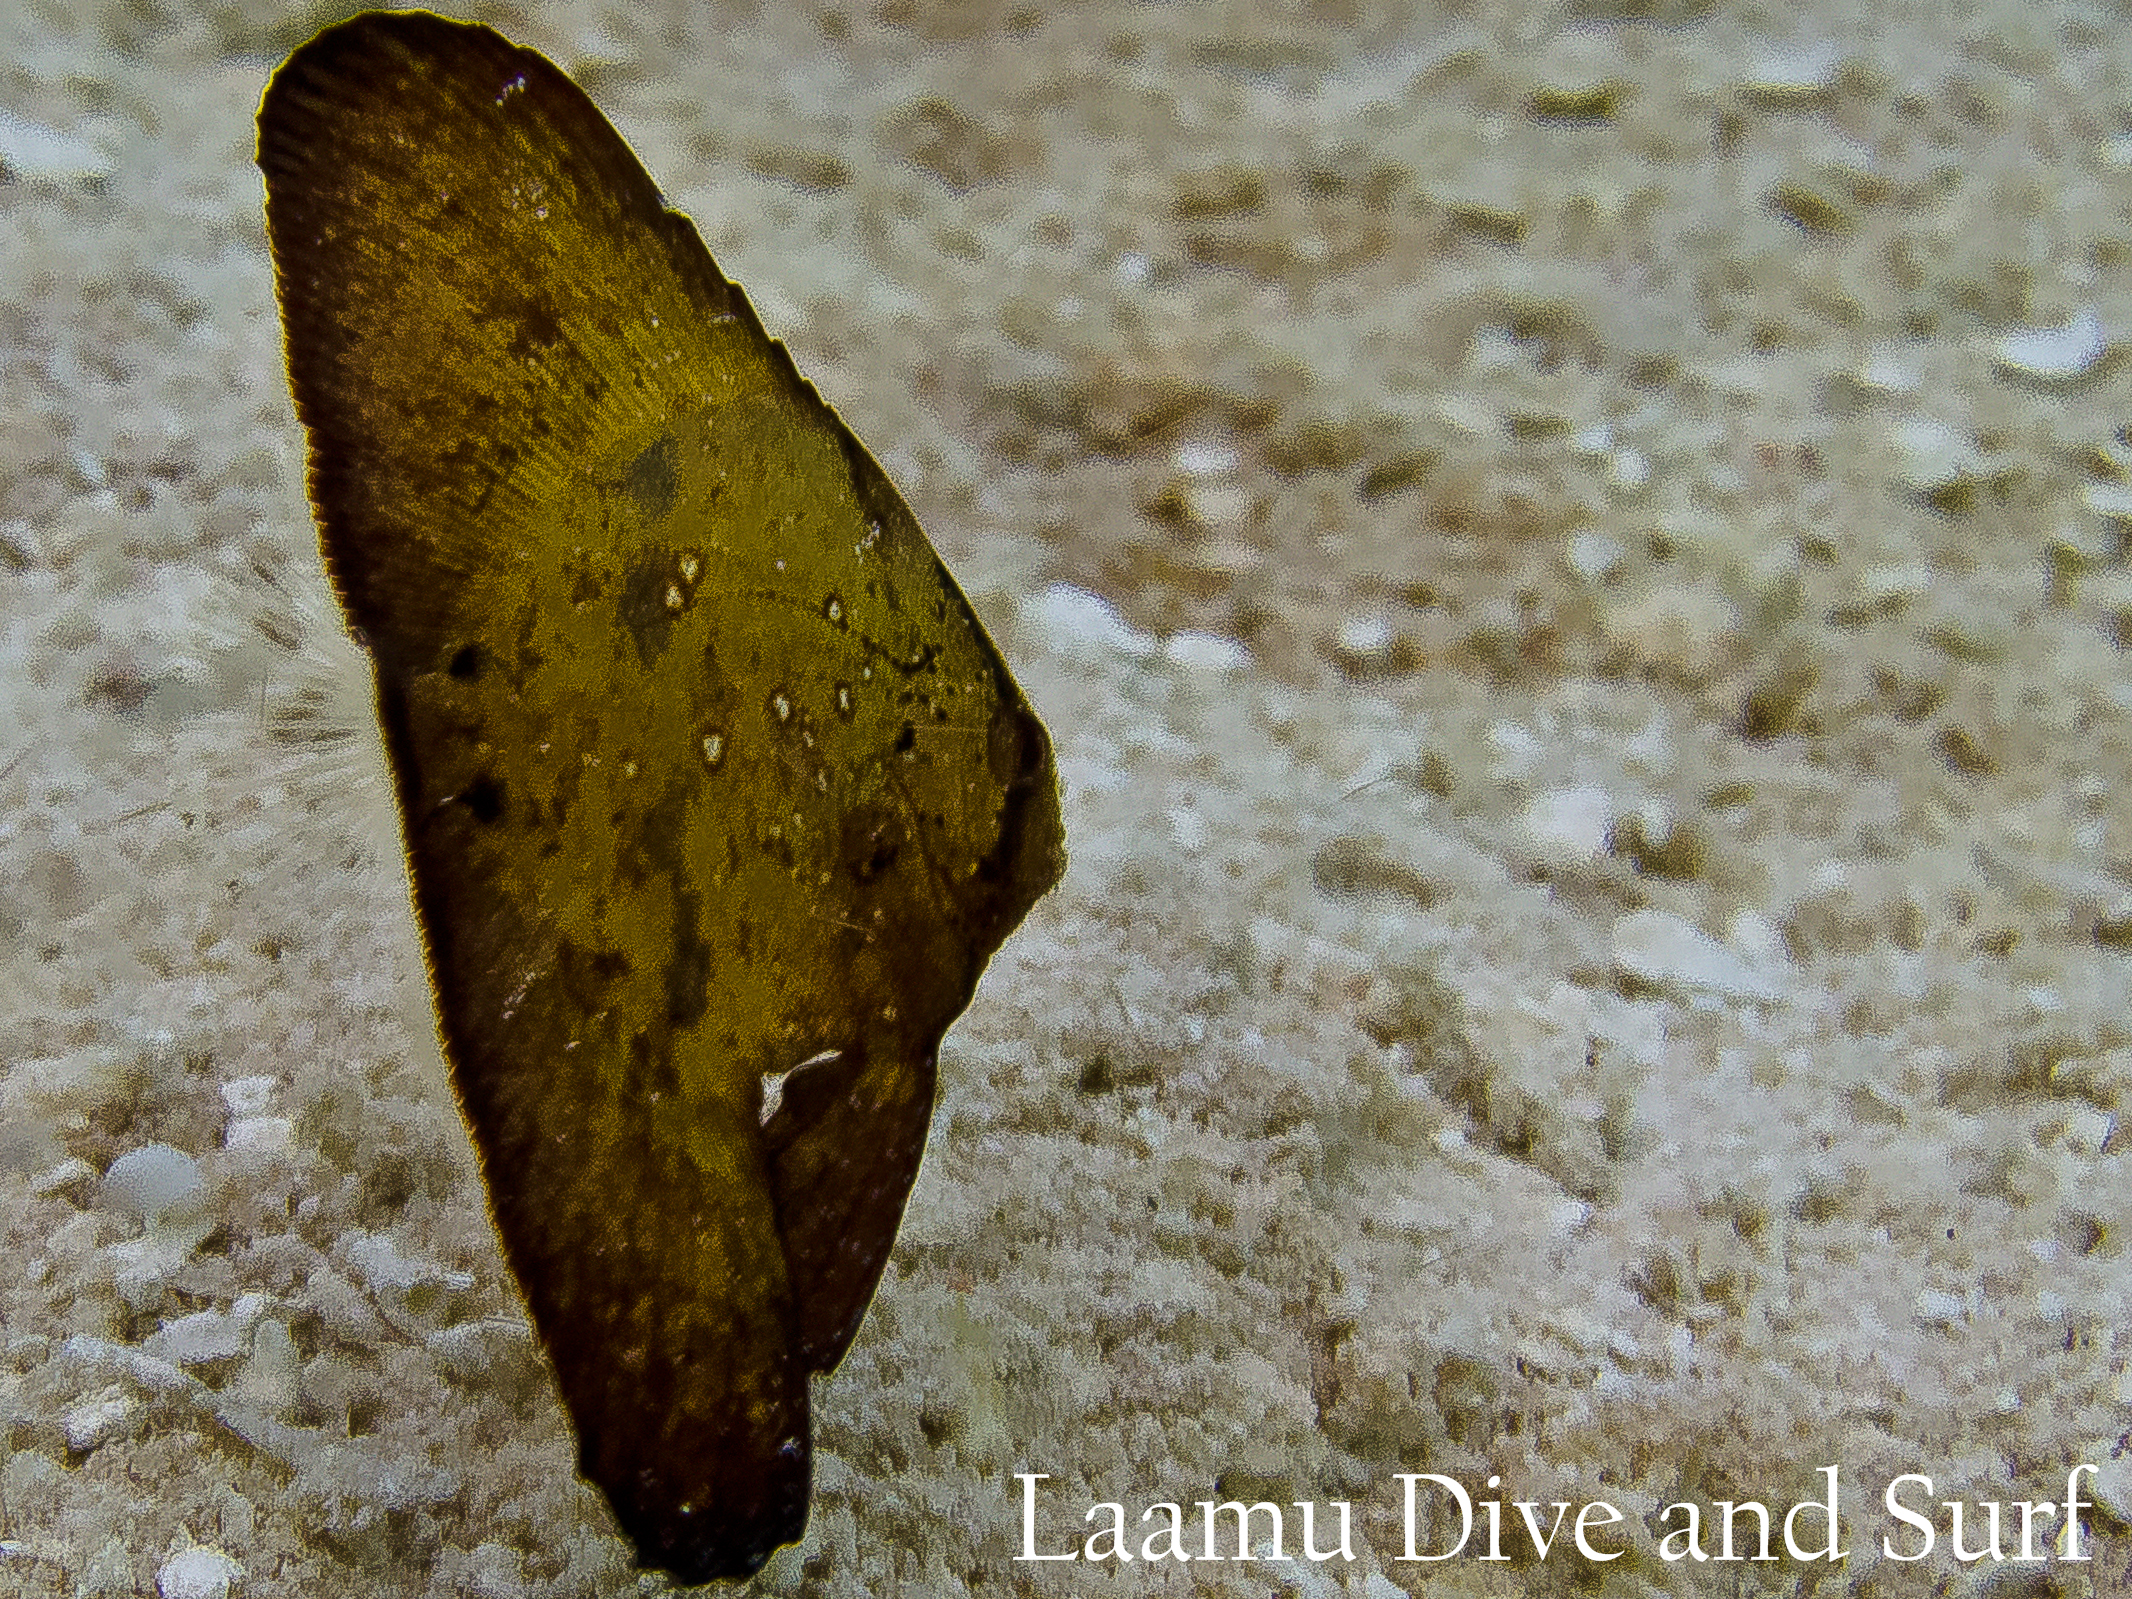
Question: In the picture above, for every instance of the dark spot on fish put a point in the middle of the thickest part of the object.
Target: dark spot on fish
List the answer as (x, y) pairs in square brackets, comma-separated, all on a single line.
[(654, 477), (539, 330), (869, 843), (688, 974), (644, 610)]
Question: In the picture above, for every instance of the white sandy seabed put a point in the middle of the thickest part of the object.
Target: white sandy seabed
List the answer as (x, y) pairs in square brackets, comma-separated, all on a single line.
[(1575, 560)]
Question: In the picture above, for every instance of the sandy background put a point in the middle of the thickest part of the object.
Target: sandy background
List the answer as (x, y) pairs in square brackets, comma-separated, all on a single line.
[(1575, 560)]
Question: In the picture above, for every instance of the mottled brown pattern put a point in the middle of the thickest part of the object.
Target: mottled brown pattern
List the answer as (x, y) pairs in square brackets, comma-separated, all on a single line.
[(561, 471)]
